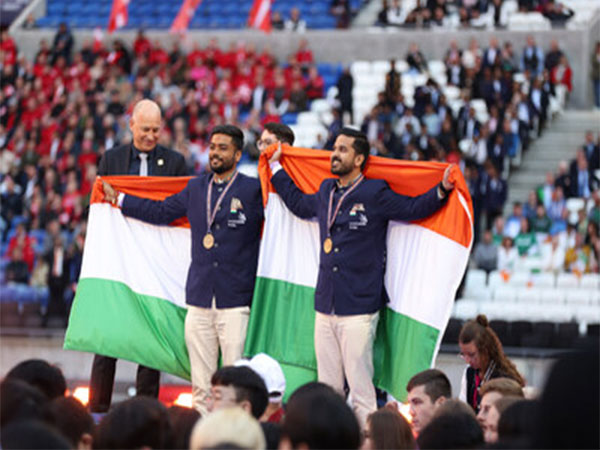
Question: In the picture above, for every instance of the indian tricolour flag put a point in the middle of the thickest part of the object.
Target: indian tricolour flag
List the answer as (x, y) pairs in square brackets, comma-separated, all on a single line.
[(130, 299), (425, 263)]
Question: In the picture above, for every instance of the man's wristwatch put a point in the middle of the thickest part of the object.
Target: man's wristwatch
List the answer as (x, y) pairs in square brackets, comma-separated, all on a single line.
[(444, 190)]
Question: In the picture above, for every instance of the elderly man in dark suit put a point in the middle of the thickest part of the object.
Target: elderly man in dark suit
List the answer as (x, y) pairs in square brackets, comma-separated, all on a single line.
[(142, 157), (353, 215), (225, 212)]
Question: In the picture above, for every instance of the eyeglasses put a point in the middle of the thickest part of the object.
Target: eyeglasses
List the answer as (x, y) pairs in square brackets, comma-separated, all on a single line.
[(264, 143)]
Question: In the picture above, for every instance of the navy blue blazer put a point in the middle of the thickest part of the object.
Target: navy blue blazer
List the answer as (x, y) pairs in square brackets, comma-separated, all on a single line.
[(228, 270), (350, 280)]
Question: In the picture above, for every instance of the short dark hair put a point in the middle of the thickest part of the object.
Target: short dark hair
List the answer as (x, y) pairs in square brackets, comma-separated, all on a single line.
[(237, 136), (518, 420), (281, 132), (360, 145), (20, 401), (134, 423), (70, 417), (39, 373), (182, 422), (32, 434), (320, 418), (248, 386), (454, 429), (435, 381)]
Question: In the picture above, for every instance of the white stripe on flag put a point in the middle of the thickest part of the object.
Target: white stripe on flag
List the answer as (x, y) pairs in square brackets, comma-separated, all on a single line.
[(150, 260), (289, 250), (263, 10)]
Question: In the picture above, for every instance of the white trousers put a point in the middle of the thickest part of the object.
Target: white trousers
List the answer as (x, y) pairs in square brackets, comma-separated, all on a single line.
[(207, 330), (344, 347)]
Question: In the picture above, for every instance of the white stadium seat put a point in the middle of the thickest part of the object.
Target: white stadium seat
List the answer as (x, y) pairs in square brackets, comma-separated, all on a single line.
[(590, 281), (567, 280), (544, 279), (495, 279), (520, 279), (476, 278), (552, 296), (381, 67), (481, 293), (578, 297), (528, 295), (505, 294), (466, 309), (360, 67)]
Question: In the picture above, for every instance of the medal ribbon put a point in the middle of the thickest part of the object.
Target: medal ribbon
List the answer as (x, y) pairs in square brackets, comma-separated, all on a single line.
[(330, 218), (210, 213)]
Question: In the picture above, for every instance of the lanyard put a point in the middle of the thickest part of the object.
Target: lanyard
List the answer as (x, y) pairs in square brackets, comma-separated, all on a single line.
[(331, 218), (212, 213)]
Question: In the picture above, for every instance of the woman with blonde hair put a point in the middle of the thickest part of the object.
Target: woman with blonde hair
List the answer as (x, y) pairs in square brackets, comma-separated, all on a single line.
[(482, 351)]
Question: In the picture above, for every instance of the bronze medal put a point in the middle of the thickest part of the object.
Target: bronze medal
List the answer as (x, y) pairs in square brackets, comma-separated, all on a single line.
[(208, 241), (327, 245)]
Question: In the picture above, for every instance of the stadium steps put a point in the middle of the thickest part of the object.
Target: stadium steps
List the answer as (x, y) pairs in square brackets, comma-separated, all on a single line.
[(367, 16), (560, 140)]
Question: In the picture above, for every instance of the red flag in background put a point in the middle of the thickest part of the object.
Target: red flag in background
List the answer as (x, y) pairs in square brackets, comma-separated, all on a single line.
[(260, 15), (118, 15), (185, 14)]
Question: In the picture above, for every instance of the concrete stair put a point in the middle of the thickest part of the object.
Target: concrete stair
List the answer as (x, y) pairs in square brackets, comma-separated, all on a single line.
[(560, 140)]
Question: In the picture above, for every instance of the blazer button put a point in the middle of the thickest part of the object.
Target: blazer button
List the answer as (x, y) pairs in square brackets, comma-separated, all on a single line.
[(216, 244), (217, 227), (335, 268), (215, 264), (219, 208), (336, 250), (339, 228)]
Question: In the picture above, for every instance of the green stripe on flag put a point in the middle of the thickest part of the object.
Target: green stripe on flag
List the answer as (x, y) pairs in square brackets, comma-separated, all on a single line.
[(276, 305), (110, 319), (403, 347)]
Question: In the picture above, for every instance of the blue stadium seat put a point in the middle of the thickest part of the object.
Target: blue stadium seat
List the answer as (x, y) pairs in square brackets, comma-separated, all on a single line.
[(289, 118)]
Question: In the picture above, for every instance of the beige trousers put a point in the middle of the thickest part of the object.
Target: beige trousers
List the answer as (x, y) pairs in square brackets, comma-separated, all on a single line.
[(207, 330), (344, 346)]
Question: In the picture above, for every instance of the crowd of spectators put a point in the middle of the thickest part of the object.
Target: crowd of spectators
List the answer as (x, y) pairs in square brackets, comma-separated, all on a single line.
[(477, 14), (542, 229), (246, 409), (517, 91), (60, 111)]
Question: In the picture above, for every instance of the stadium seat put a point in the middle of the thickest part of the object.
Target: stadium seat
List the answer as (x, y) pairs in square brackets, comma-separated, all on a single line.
[(495, 279), (359, 68), (505, 294), (466, 309), (520, 279), (542, 335), (544, 280), (475, 278), (578, 296), (501, 328), (481, 293), (590, 281), (452, 331), (9, 313), (529, 295), (381, 67), (567, 335), (552, 296), (518, 330), (567, 280)]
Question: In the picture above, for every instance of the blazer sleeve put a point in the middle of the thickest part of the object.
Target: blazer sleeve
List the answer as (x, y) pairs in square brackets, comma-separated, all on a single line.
[(401, 207), (181, 169), (155, 211), (301, 204), (103, 166)]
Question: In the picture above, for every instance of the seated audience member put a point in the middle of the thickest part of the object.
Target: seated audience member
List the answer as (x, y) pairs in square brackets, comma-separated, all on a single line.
[(529, 208), (526, 242), (454, 426), (272, 374), (517, 424), (73, 420), (507, 255), (491, 392), (140, 422), (427, 391), (553, 256), (513, 223), (386, 428), (182, 421), (485, 254), (490, 426), (295, 22), (318, 417), (482, 351), (238, 386), (32, 434), (541, 223), (580, 258), (229, 427), (40, 374), (20, 401), (569, 410)]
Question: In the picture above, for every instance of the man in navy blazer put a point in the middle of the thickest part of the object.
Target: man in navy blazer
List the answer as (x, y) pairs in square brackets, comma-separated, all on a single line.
[(145, 125), (353, 215), (225, 212)]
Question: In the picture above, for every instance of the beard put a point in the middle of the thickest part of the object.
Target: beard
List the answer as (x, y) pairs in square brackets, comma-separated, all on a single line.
[(341, 169), (220, 166)]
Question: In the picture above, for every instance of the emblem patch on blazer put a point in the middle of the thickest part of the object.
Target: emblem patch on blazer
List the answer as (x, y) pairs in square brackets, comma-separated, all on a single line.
[(361, 221), (236, 205), (358, 207)]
